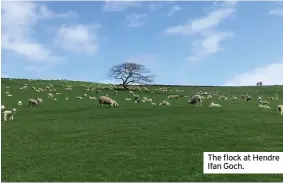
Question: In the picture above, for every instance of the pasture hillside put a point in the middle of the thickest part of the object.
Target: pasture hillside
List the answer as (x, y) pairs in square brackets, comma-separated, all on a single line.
[(74, 140)]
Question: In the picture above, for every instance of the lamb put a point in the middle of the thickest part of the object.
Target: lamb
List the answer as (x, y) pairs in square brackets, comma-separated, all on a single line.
[(280, 109), (9, 114), (196, 99), (33, 102), (212, 104), (107, 100), (20, 103)]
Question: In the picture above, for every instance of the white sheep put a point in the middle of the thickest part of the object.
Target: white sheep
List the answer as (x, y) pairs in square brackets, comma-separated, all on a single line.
[(128, 98), (33, 102), (9, 114), (280, 109), (264, 106), (212, 104), (107, 100), (67, 98), (78, 97), (263, 102), (9, 95), (20, 103), (50, 95), (164, 103)]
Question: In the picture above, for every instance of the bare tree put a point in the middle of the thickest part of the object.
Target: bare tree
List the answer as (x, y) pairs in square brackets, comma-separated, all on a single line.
[(130, 73)]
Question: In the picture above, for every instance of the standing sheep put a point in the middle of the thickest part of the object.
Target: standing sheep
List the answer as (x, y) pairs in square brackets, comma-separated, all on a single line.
[(196, 99), (280, 109), (33, 102), (9, 114), (107, 100)]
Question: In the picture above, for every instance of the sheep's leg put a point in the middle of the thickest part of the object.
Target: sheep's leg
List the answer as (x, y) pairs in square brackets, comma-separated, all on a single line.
[(12, 118)]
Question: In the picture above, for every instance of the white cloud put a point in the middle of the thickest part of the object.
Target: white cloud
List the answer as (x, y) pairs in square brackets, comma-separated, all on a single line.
[(18, 22), (211, 39), (278, 12), (174, 9), (209, 44), (202, 24), (119, 6), (136, 20), (77, 38), (269, 75), (156, 6)]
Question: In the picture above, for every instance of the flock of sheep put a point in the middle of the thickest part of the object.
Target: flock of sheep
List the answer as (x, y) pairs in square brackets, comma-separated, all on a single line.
[(196, 99)]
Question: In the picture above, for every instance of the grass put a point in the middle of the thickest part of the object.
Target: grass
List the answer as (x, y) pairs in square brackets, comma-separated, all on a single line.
[(74, 140)]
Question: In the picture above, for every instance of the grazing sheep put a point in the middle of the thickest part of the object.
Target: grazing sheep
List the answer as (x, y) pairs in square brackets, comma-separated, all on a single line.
[(20, 103), (50, 95), (248, 98), (33, 102), (39, 100), (131, 93), (9, 114), (164, 103), (196, 99), (234, 98), (280, 109), (264, 106), (212, 104), (209, 97), (107, 100)]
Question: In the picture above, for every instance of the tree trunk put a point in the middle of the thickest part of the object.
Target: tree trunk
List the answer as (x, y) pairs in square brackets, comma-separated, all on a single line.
[(125, 86)]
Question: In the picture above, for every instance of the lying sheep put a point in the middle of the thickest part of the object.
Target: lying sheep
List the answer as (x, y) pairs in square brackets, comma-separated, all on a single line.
[(92, 98), (212, 104), (33, 102), (280, 109), (264, 106), (173, 96), (107, 100), (263, 102), (9, 114), (78, 97), (128, 98), (196, 99)]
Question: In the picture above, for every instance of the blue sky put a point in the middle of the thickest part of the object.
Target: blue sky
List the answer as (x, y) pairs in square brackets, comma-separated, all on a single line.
[(190, 43)]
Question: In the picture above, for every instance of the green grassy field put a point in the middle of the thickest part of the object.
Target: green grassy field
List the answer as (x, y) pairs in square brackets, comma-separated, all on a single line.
[(74, 140)]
